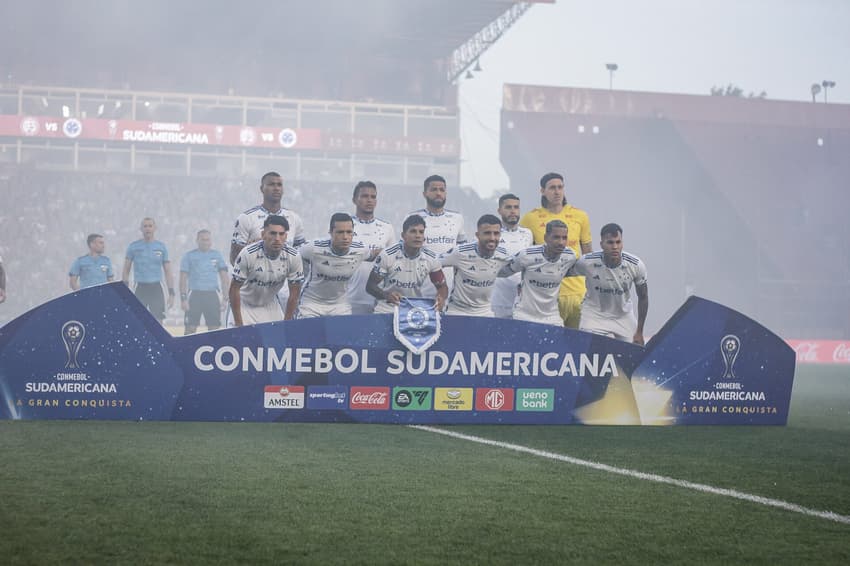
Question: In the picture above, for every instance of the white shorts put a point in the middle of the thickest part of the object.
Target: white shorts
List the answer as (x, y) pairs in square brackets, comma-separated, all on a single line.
[(452, 309), (312, 310), (554, 319), (271, 312), (623, 328)]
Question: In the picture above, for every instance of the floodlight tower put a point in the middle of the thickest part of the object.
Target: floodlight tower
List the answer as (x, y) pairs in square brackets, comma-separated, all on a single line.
[(611, 68)]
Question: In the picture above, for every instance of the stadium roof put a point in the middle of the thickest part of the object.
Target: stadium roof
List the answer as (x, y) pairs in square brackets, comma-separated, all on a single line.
[(416, 29)]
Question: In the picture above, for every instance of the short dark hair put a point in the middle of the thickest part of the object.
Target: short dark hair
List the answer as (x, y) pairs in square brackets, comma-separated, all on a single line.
[(489, 219), (277, 221), (92, 237), (509, 196), (340, 217), (431, 179), (412, 220), (363, 185), (202, 231), (611, 228), (269, 174), (552, 224), (545, 179)]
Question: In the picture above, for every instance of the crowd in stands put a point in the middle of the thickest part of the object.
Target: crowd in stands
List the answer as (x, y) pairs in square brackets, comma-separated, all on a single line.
[(47, 215)]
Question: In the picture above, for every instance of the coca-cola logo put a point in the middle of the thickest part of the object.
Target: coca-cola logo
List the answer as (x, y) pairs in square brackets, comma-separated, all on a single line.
[(371, 398), (806, 352), (841, 353)]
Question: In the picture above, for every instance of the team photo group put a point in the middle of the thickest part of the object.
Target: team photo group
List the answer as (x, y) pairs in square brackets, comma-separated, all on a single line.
[(539, 266)]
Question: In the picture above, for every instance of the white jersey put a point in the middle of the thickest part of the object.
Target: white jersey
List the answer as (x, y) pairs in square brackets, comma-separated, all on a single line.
[(403, 274), (262, 276), (249, 226), (474, 278), (541, 280), (505, 290), (324, 292), (375, 234), (443, 232), (608, 306)]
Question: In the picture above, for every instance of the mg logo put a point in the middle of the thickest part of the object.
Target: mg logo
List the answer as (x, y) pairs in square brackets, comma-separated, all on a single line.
[(494, 399)]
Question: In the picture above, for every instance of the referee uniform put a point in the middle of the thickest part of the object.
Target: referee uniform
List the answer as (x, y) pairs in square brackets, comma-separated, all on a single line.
[(148, 260), (203, 270)]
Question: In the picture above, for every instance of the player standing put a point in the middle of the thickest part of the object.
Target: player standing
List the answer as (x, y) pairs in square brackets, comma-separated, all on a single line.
[(332, 263), (514, 238), (402, 269), (259, 272), (476, 268), (611, 274), (543, 268), (375, 234)]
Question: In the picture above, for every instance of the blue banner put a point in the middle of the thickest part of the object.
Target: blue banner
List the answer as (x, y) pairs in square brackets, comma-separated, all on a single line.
[(98, 354)]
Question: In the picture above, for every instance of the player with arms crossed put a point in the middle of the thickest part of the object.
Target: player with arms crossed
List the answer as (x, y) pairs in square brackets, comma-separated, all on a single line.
[(401, 269), (333, 262), (543, 268), (476, 268), (375, 234), (260, 271), (610, 274), (444, 228), (514, 238)]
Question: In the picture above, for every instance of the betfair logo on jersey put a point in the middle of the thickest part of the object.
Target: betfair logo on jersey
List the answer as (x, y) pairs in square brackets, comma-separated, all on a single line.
[(535, 400), (411, 398), (453, 399), (283, 397)]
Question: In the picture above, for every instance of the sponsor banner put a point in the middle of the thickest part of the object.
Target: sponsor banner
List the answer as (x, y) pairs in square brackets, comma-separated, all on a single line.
[(170, 133), (328, 397), (99, 354), (370, 398), (535, 400), (283, 397), (494, 399), (193, 134), (821, 351), (453, 399), (411, 398)]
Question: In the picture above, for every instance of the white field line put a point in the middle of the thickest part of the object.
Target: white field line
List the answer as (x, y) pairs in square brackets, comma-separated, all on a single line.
[(828, 515)]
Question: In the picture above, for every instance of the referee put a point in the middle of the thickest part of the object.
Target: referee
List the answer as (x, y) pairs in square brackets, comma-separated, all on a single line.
[(200, 272), (149, 260)]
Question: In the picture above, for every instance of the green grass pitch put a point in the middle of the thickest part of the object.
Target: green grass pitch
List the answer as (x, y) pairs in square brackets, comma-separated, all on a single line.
[(210, 493)]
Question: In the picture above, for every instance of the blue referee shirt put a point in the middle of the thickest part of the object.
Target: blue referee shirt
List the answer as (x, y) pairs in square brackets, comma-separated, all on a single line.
[(92, 270), (203, 269), (148, 259)]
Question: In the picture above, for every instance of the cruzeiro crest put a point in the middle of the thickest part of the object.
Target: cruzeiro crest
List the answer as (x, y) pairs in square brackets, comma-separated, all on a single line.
[(730, 345), (416, 323), (73, 333)]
